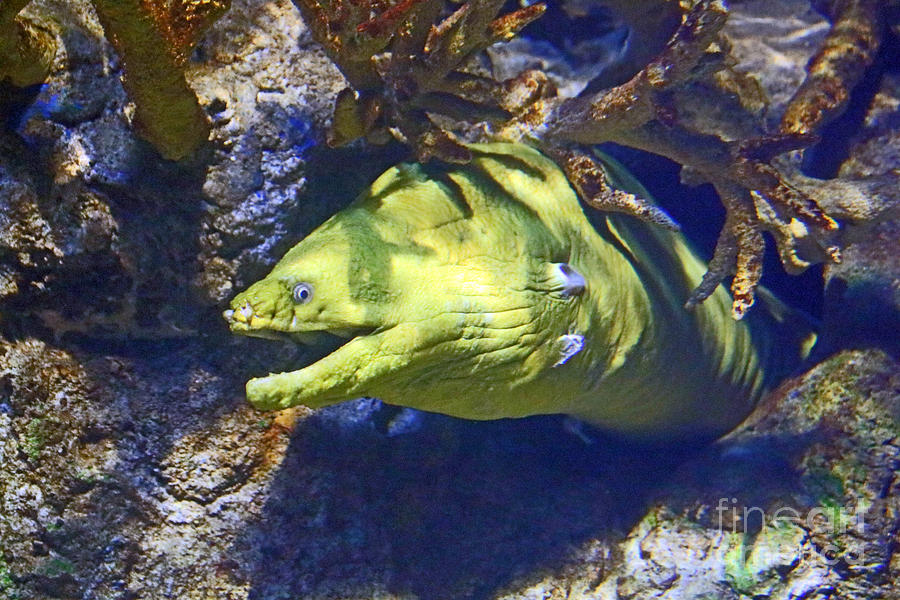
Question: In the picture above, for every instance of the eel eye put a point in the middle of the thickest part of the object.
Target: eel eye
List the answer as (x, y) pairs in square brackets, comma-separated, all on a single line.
[(302, 293)]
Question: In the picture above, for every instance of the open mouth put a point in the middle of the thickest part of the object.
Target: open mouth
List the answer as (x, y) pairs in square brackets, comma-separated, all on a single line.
[(342, 362), (331, 337), (316, 339), (317, 344), (335, 370)]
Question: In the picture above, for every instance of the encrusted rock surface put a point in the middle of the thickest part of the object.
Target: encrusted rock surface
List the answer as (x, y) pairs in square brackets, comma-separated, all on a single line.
[(131, 467), (799, 502)]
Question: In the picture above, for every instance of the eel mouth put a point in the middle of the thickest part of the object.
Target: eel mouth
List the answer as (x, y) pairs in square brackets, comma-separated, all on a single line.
[(325, 337), (342, 373), (334, 361)]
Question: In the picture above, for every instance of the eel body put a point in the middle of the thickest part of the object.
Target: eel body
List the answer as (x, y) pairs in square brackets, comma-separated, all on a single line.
[(484, 291)]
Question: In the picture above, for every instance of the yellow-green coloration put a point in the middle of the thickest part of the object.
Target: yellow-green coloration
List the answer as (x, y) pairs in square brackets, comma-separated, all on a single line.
[(35, 438), (482, 291), (154, 39), (7, 585), (26, 48), (754, 563)]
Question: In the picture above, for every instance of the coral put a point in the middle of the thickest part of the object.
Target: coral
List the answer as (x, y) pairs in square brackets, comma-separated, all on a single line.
[(641, 113), (840, 63), (154, 39), (591, 181), (402, 69), (407, 79), (26, 47)]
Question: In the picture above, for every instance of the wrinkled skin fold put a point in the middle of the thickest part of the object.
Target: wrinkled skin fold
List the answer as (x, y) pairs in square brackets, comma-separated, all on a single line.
[(483, 291)]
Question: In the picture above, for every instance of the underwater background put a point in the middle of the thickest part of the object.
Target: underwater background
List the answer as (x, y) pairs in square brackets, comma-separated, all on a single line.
[(156, 158)]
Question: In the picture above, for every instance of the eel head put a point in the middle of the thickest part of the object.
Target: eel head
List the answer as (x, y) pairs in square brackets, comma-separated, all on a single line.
[(445, 309), (452, 338)]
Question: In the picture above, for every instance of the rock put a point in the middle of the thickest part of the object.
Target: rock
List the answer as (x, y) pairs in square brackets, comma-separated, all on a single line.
[(113, 206), (268, 92), (863, 293), (795, 503), (772, 40)]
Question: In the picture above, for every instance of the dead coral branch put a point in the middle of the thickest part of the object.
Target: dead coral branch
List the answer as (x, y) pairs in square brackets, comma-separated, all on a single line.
[(848, 50), (589, 178), (403, 65), (640, 114), (154, 39)]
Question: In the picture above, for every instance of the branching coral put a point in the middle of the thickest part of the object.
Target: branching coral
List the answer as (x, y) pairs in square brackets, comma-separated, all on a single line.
[(402, 69), (639, 113), (840, 63), (407, 75), (153, 38)]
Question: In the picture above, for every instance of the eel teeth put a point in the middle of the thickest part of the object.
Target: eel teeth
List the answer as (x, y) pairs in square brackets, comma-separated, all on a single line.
[(244, 314), (247, 311)]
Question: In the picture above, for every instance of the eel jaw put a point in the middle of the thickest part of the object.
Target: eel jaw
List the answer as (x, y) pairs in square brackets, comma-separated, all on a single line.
[(344, 374), (368, 365), (334, 378)]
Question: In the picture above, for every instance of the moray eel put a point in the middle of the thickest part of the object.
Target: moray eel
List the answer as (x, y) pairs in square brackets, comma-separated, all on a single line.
[(483, 291)]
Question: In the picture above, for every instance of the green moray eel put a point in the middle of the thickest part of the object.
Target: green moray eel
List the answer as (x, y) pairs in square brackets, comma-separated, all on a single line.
[(484, 291)]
